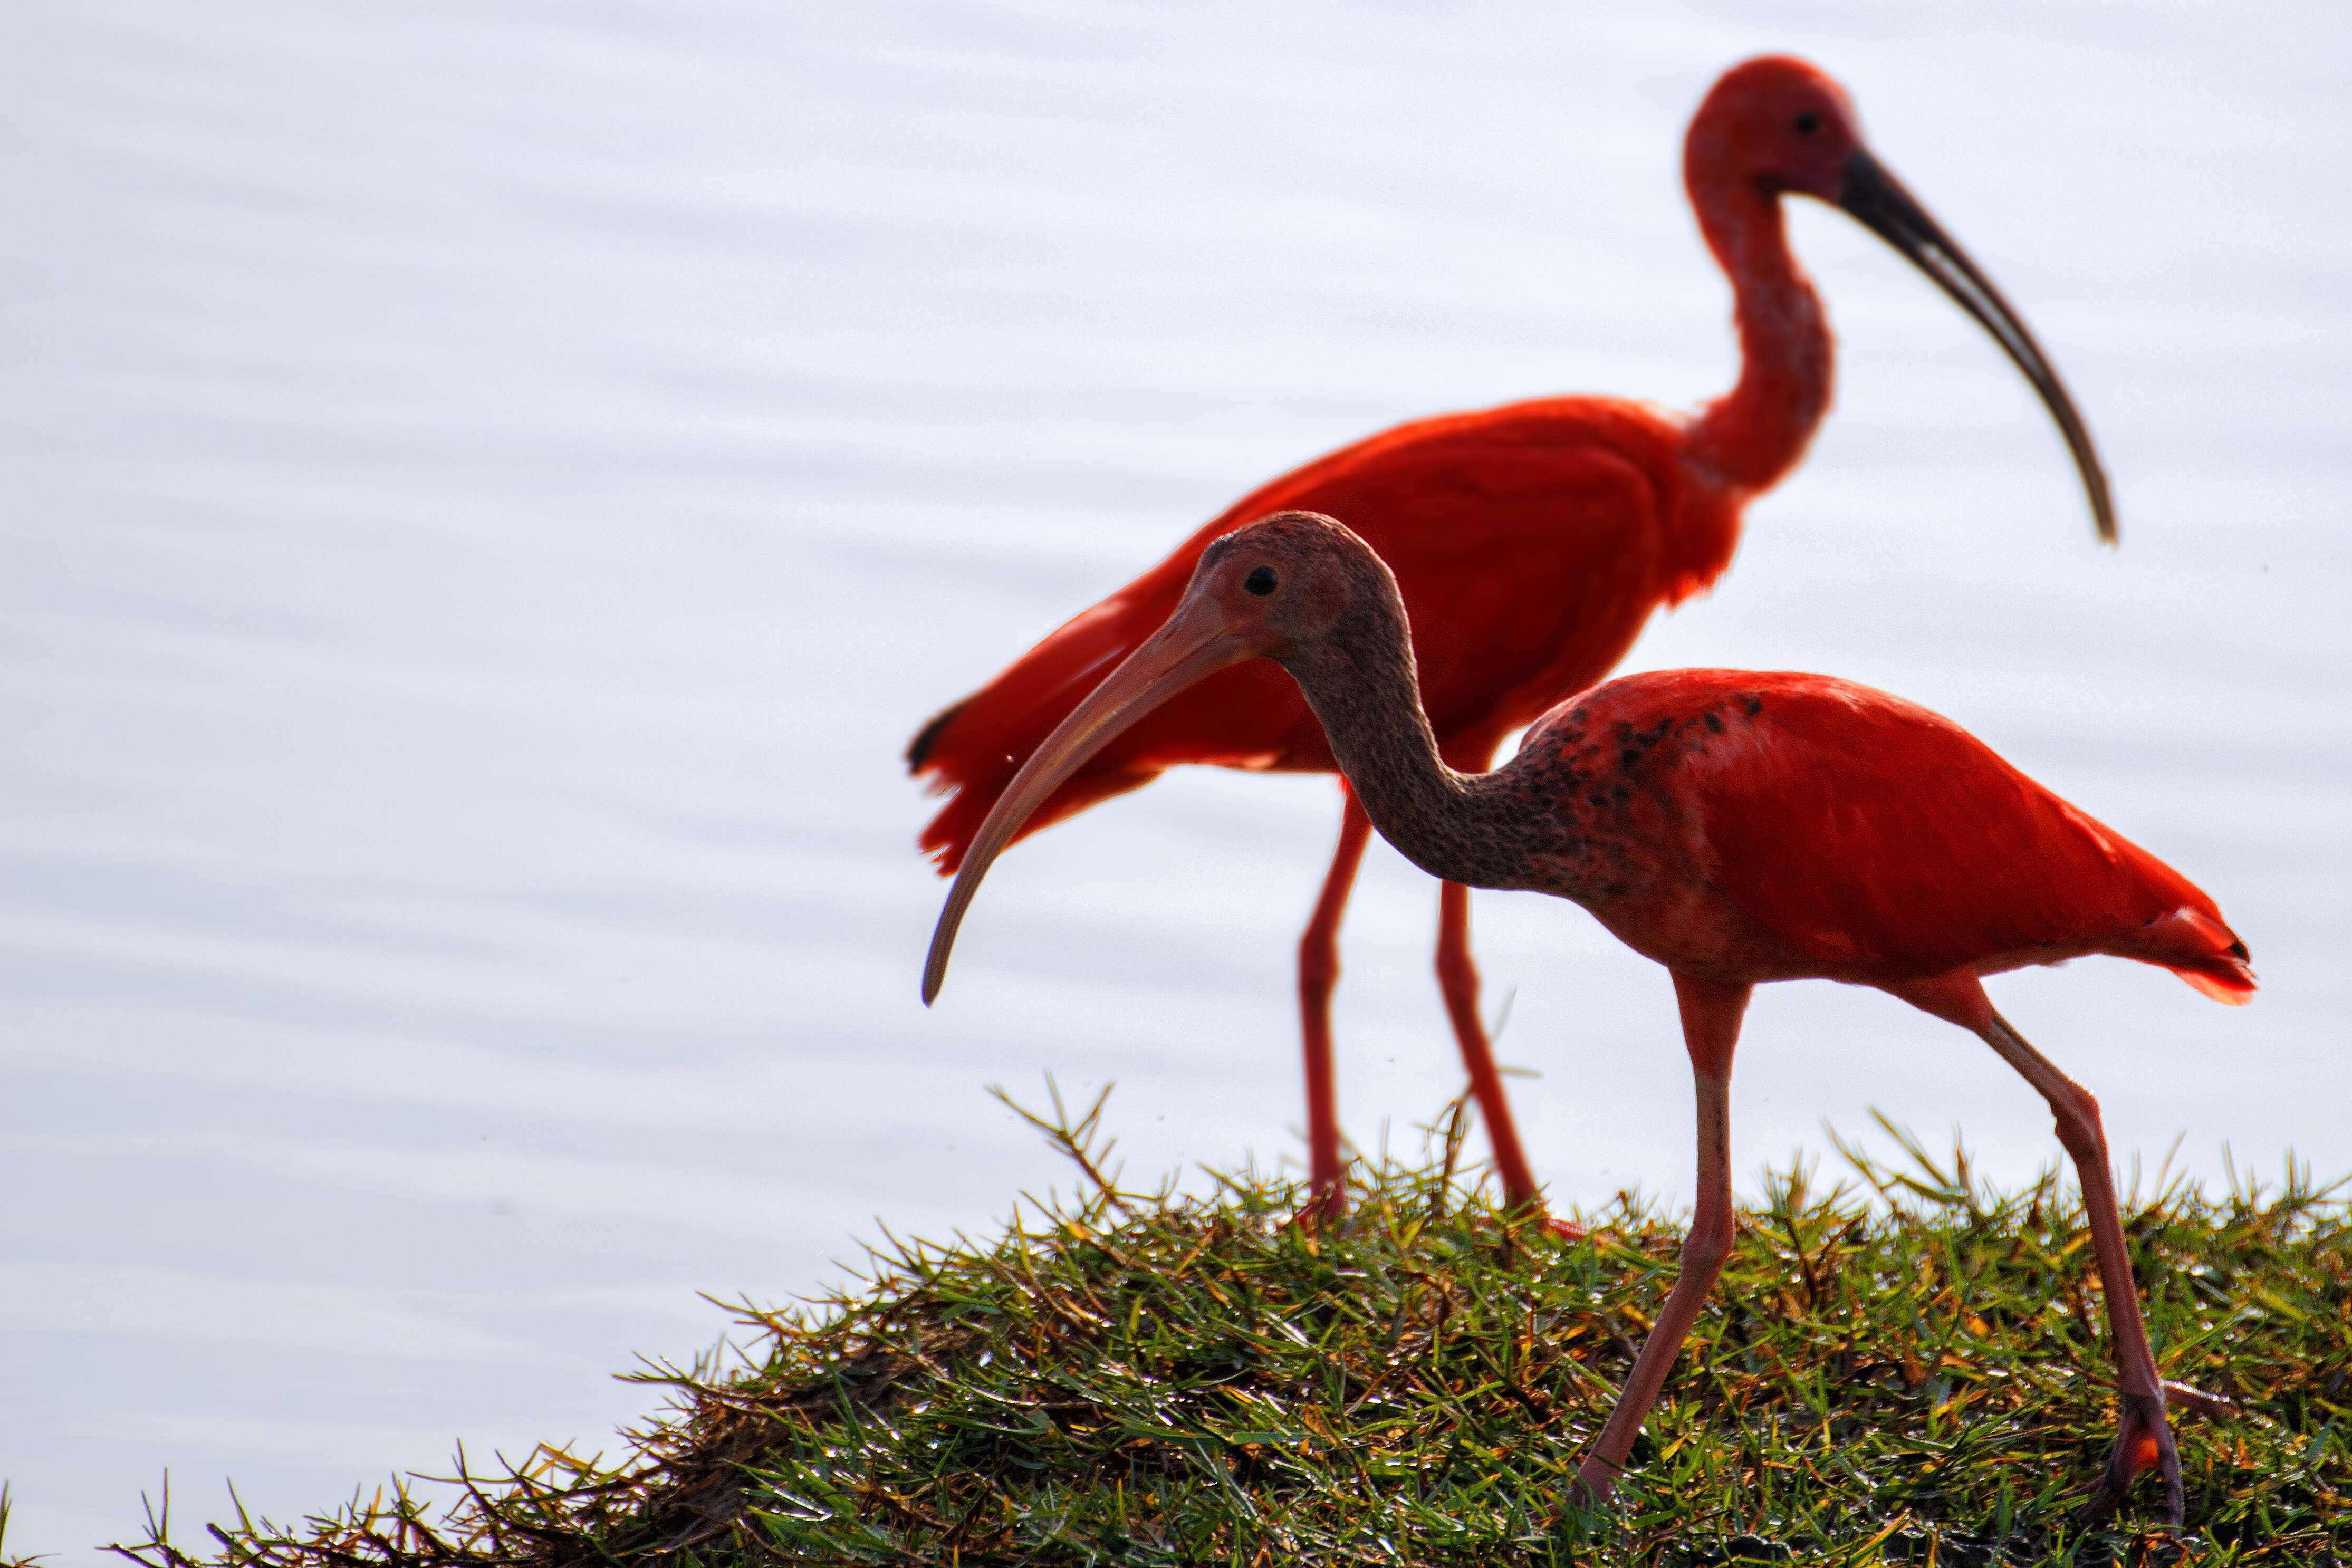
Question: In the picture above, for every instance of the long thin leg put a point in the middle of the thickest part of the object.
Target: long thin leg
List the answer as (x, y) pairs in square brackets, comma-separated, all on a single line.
[(1457, 981), (1711, 1014), (1318, 973), (2142, 1437)]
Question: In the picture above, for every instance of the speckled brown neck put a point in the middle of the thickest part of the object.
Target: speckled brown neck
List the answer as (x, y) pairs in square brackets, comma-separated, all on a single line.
[(1471, 828)]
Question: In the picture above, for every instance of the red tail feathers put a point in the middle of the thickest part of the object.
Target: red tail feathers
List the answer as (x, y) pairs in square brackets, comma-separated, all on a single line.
[(2207, 954)]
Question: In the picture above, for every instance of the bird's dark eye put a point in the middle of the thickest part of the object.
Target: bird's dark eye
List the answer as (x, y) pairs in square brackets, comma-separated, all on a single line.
[(1808, 122), (1261, 581)]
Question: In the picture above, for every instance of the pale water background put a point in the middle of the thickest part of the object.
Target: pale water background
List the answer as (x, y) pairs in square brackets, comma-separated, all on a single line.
[(489, 487)]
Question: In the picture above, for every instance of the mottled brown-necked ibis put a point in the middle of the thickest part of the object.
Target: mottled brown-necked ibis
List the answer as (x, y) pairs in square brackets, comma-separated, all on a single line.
[(1736, 827), (1531, 541)]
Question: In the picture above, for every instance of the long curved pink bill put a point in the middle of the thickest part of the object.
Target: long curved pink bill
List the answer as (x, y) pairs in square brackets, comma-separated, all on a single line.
[(1196, 641)]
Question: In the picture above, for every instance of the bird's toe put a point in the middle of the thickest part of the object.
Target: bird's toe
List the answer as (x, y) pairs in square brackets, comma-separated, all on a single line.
[(2143, 1441)]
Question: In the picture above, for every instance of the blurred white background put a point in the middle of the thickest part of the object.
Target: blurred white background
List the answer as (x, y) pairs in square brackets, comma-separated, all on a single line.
[(487, 489)]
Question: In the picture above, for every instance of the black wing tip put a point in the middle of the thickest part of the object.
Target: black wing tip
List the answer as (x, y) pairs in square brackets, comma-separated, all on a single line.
[(918, 750)]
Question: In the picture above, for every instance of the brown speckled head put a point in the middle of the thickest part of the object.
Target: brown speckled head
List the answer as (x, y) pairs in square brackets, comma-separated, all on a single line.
[(1292, 577)]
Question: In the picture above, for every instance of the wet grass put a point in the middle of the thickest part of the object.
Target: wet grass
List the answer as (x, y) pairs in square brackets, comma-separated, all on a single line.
[(1909, 1368)]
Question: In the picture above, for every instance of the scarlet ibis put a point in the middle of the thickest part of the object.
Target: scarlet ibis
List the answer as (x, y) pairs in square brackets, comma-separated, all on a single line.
[(1736, 827), (1531, 542)]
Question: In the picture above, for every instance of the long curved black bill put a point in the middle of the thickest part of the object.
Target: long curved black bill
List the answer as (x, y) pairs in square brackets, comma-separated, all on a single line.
[(1877, 200)]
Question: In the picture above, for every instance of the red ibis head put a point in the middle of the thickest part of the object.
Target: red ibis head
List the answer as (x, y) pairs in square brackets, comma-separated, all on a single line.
[(1777, 126)]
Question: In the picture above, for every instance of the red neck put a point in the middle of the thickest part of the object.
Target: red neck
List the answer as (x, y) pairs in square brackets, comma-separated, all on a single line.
[(1746, 441)]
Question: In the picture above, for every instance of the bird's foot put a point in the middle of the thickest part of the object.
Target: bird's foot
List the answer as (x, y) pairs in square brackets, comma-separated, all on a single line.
[(1531, 1206), (1592, 1486), (1326, 1207), (2142, 1440)]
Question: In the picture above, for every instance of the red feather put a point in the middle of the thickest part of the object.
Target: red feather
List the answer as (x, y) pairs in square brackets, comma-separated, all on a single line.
[(1881, 843), (1530, 542)]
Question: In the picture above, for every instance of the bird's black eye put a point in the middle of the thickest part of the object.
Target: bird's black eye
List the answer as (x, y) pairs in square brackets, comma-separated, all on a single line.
[(1261, 581), (1808, 122)]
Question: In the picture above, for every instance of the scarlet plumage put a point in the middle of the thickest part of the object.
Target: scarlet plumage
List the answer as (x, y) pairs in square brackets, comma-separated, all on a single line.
[(1527, 541), (1531, 542), (1875, 842)]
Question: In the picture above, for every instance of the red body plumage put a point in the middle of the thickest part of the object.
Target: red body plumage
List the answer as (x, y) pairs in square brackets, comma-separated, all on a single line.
[(1785, 826), (1531, 543)]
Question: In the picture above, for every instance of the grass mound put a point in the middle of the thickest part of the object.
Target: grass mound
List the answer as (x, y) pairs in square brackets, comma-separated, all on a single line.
[(1141, 1379)]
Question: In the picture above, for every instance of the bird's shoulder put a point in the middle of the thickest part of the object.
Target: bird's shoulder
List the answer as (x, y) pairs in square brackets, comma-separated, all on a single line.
[(1512, 454)]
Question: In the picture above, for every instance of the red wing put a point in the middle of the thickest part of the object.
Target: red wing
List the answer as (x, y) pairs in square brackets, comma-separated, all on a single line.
[(1864, 828), (1524, 545)]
